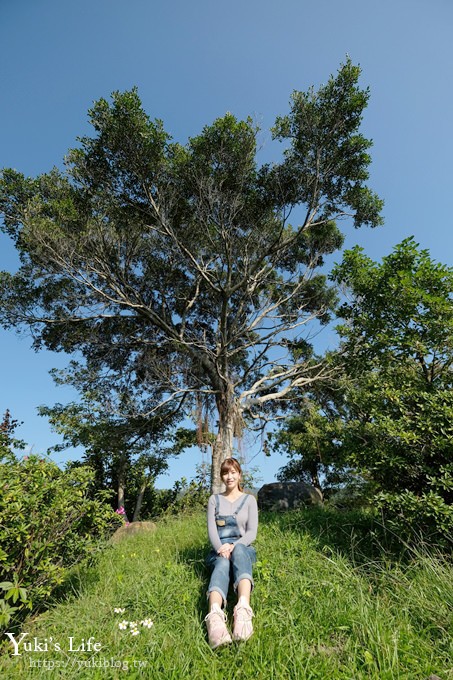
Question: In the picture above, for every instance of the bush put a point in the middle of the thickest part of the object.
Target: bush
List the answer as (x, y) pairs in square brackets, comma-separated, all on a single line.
[(427, 517), (48, 523)]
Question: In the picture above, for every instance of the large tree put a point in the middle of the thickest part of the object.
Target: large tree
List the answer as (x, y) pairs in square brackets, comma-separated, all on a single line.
[(178, 266)]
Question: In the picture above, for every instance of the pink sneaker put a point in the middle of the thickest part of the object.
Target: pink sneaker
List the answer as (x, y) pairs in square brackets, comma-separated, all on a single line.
[(217, 631), (243, 628)]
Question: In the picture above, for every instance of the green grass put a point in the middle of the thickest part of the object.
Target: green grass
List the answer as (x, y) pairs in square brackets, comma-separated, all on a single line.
[(329, 603)]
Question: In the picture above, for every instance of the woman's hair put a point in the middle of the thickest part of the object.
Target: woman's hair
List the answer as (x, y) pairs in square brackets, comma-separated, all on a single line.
[(228, 464)]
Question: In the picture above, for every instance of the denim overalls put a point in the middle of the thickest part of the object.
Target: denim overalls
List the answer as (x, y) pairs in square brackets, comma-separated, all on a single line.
[(227, 527), (241, 559)]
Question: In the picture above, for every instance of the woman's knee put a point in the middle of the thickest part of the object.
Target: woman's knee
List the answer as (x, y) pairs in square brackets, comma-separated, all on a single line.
[(241, 557), (222, 565), (240, 550)]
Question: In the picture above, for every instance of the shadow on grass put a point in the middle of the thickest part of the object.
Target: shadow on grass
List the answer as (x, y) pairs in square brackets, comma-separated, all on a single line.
[(80, 578), (356, 535), (195, 557)]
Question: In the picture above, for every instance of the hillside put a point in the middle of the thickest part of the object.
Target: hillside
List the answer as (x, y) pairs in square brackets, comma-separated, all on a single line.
[(327, 605)]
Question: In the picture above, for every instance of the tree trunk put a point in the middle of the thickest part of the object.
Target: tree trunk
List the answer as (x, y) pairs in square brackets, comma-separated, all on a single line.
[(223, 447), (120, 492), (122, 486), (138, 504), (314, 476)]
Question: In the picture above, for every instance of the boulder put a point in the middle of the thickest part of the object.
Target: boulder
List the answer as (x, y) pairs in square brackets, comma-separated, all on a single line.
[(287, 496), (132, 529)]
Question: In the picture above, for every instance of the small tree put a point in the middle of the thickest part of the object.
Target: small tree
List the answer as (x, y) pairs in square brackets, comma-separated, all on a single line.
[(312, 440), (126, 454), (178, 266)]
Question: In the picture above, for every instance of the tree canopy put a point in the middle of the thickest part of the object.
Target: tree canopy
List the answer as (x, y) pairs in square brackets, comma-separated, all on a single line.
[(175, 270), (398, 345), (391, 412)]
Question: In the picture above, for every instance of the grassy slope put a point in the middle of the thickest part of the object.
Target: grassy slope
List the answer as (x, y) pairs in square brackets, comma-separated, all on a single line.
[(324, 609)]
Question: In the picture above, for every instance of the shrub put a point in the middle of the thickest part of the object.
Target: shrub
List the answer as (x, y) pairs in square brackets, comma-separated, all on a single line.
[(426, 517), (48, 523)]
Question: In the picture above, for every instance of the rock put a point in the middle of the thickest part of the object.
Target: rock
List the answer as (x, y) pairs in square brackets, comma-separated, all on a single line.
[(132, 529), (287, 496), (433, 677)]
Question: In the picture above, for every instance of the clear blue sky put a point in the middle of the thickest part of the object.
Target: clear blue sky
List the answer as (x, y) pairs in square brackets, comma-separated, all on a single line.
[(192, 62)]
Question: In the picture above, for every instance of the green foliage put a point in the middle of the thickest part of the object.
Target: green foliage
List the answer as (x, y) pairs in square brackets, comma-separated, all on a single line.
[(15, 594), (397, 353), (125, 452), (7, 439), (184, 496), (383, 426), (427, 514), (312, 439), (173, 270), (327, 148), (329, 603), (48, 524)]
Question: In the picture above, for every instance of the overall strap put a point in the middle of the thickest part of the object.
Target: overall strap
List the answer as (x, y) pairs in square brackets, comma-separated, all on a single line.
[(217, 504), (241, 505)]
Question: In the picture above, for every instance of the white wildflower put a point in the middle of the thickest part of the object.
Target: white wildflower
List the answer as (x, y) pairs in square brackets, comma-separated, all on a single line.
[(123, 625), (147, 623), (119, 610)]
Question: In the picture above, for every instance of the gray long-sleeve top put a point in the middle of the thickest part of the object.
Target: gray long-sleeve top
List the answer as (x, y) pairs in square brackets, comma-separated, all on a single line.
[(247, 519)]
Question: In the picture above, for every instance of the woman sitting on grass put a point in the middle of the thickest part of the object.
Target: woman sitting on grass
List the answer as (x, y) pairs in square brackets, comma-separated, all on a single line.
[(232, 527)]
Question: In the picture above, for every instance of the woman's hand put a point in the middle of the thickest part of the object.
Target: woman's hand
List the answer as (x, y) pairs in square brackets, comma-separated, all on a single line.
[(225, 550)]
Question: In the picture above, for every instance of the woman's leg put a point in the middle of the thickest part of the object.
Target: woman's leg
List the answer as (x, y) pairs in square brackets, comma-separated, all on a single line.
[(242, 560), (244, 589), (215, 598), (218, 589), (220, 579)]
